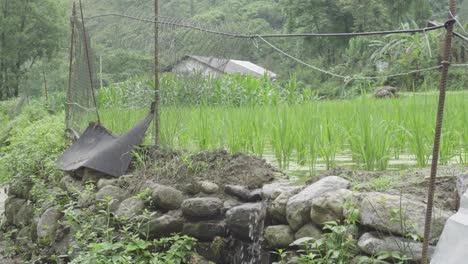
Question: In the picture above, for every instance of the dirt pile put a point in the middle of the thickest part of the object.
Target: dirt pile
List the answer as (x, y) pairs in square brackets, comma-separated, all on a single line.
[(185, 170)]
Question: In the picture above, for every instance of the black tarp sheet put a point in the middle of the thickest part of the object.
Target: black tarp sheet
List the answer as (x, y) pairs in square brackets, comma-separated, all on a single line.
[(100, 150)]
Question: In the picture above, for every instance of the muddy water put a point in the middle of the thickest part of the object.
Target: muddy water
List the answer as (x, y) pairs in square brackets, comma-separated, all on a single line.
[(299, 174)]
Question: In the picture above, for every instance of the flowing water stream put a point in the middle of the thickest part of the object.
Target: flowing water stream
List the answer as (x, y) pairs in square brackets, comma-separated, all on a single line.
[(253, 252), (3, 197)]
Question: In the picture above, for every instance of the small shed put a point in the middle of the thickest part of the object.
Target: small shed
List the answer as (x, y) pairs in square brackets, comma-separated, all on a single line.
[(215, 66)]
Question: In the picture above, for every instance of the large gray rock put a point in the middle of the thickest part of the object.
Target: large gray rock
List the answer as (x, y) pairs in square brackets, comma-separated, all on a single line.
[(244, 219), (372, 244), (205, 231), (166, 197), (63, 246), (130, 207), (111, 191), (279, 236), (106, 182), (329, 206), (309, 230), (230, 203), (298, 206), (273, 190), (196, 258), (18, 212), (462, 184), (87, 199), (165, 225), (398, 215), (114, 194), (26, 236), (68, 183), (208, 187), (202, 208), (367, 260), (48, 223), (385, 91), (21, 189), (243, 193), (215, 251), (277, 208)]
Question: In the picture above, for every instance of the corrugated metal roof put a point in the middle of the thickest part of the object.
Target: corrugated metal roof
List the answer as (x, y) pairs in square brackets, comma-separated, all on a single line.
[(234, 66)]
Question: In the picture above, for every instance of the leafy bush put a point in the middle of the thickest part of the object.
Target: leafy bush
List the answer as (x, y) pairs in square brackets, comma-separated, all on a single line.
[(102, 238), (33, 144)]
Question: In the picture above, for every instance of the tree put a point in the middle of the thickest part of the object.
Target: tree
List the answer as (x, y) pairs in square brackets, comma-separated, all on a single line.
[(29, 31)]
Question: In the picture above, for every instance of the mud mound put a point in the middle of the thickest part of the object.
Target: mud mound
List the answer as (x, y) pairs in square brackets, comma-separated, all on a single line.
[(184, 170)]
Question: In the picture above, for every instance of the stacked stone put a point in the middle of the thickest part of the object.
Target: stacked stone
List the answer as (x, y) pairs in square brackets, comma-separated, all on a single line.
[(222, 216), (301, 216)]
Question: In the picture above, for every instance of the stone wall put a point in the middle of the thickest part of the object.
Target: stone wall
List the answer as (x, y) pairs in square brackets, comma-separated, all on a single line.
[(235, 224)]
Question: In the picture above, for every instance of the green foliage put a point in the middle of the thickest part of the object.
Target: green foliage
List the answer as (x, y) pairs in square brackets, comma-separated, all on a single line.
[(101, 239), (144, 195), (33, 144), (337, 244), (30, 30)]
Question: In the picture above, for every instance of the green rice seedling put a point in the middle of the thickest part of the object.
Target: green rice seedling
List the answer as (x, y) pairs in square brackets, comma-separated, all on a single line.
[(173, 121), (327, 146), (282, 136), (238, 131), (371, 137), (394, 120), (448, 145), (258, 128), (419, 133), (201, 129), (303, 137)]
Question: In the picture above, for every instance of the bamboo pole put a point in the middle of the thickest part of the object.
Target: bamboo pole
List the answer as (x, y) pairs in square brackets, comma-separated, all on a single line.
[(156, 120), (69, 90)]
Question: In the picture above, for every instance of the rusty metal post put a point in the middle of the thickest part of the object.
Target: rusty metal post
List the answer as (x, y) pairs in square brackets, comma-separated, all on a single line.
[(70, 70), (88, 59), (438, 131), (156, 120)]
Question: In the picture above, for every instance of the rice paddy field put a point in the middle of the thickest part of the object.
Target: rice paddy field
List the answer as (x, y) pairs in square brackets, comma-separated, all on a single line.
[(308, 137)]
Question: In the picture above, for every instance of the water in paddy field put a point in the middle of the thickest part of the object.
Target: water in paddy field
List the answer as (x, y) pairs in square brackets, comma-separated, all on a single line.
[(301, 173)]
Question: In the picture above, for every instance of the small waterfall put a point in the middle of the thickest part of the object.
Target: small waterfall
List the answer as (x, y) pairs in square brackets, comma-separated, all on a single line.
[(253, 252)]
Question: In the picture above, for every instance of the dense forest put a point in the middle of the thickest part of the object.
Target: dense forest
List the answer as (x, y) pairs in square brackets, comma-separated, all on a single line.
[(34, 37)]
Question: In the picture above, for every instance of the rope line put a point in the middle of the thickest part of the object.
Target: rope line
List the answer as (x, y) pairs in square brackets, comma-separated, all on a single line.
[(82, 107), (300, 61), (263, 36), (460, 36), (237, 35), (355, 77), (459, 65), (458, 22)]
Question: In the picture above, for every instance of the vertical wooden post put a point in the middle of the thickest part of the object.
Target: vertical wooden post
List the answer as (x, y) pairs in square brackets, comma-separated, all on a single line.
[(438, 131), (88, 60), (100, 71), (46, 91), (69, 90), (156, 75)]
